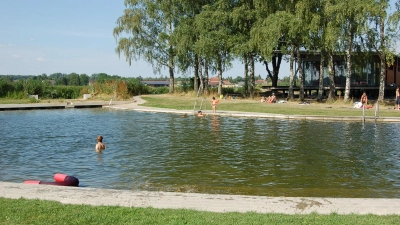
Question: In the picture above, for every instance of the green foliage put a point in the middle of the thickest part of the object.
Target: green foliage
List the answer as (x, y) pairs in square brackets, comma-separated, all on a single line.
[(66, 92), (135, 87), (33, 87), (74, 79), (5, 86), (184, 88), (16, 95), (158, 90)]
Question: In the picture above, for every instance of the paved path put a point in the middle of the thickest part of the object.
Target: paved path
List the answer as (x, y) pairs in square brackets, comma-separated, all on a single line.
[(201, 202)]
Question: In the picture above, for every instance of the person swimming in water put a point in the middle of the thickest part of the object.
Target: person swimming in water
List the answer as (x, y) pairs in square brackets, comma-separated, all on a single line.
[(100, 146)]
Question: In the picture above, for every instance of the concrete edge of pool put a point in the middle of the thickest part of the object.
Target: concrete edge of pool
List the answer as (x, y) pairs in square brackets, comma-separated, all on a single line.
[(200, 202)]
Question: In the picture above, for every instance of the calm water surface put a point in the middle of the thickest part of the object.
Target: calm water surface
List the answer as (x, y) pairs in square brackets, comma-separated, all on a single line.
[(167, 152)]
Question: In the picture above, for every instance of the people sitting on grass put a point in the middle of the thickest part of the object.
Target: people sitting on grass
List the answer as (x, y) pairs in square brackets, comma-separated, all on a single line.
[(364, 99), (272, 98), (263, 99)]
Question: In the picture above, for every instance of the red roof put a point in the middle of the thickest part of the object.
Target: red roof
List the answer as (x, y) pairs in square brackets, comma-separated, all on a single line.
[(213, 81)]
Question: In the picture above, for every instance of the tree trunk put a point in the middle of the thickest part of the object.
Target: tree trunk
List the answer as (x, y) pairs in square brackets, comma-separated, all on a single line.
[(383, 61), (171, 72), (276, 64), (348, 63), (196, 73), (321, 76), (201, 79), (291, 78), (206, 77), (246, 77), (252, 79), (332, 87), (219, 69), (301, 78)]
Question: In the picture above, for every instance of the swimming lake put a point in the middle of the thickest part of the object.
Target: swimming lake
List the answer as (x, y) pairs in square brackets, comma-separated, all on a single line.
[(213, 154)]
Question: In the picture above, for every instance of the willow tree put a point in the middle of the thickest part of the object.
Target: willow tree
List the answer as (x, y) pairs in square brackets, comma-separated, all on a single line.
[(144, 32), (243, 19), (185, 37), (267, 36)]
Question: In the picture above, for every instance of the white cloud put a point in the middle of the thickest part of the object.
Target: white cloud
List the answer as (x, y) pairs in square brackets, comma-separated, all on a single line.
[(31, 39), (40, 59), (16, 56)]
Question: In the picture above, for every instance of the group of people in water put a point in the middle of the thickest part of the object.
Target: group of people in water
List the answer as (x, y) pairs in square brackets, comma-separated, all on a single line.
[(214, 103), (269, 99), (100, 146)]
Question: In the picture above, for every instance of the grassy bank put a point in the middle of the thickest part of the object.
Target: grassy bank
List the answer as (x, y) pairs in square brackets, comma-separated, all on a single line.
[(338, 108), (23, 211), (187, 102)]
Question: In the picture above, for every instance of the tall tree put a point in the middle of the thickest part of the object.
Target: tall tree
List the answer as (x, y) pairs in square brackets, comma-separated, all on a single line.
[(311, 32), (185, 37), (73, 79), (381, 37), (268, 36), (348, 16), (243, 19), (144, 31), (84, 79), (215, 40)]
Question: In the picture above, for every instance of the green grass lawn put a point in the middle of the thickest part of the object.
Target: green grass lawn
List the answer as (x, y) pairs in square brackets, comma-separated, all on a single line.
[(187, 102), (23, 211), (338, 108)]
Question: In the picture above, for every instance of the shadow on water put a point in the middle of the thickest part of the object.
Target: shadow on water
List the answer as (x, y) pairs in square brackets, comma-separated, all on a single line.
[(212, 154)]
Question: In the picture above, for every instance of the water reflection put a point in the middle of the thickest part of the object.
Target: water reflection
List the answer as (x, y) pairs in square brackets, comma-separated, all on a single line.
[(155, 151)]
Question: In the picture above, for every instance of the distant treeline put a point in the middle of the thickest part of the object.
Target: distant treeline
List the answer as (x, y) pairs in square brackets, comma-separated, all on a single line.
[(74, 79), (72, 86)]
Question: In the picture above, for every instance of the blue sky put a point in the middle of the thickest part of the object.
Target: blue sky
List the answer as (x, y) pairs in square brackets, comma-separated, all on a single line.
[(49, 36)]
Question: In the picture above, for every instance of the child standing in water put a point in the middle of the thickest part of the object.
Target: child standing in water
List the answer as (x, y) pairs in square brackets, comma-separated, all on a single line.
[(100, 146), (214, 103)]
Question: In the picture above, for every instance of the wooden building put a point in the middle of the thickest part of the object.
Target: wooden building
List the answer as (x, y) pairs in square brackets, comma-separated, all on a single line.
[(365, 76)]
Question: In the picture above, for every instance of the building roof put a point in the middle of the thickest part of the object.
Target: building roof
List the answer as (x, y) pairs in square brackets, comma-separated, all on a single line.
[(260, 81)]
